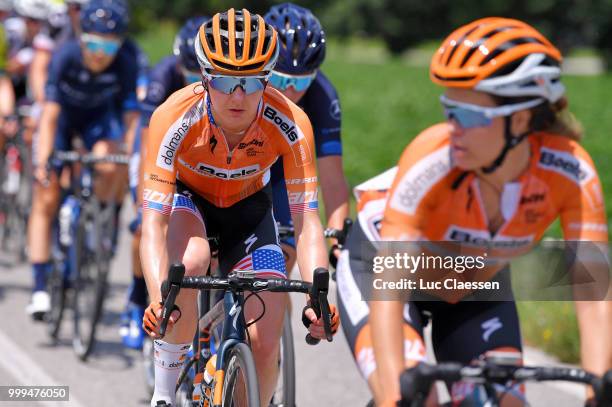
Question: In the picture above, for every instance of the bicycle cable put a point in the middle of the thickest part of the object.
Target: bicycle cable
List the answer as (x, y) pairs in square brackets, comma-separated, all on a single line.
[(263, 304)]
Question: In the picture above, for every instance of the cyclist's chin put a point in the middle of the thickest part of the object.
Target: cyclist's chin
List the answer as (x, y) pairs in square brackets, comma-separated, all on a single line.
[(97, 65), (465, 161)]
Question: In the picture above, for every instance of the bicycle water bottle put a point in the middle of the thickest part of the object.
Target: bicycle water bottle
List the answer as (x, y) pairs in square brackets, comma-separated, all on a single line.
[(68, 215), (13, 167)]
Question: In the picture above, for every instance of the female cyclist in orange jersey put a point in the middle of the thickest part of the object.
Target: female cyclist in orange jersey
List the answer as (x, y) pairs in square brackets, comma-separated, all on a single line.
[(504, 165), (206, 174)]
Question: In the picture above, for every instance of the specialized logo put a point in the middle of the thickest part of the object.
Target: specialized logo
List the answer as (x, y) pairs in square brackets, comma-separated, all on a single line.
[(175, 136), (291, 132), (419, 179), (222, 173), (490, 326), (481, 238), (533, 198), (254, 142), (567, 165), (249, 242)]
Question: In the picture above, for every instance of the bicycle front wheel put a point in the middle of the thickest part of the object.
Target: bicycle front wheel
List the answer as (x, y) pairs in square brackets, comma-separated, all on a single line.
[(90, 290), (284, 394), (240, 386)]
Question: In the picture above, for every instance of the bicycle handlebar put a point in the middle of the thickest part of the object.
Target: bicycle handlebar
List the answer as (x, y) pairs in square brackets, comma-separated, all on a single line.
[(236, 282), (416, 382)]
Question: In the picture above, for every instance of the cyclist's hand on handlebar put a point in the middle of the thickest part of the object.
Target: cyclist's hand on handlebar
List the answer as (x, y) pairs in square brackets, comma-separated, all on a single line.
[(315, 327), (153, 318)]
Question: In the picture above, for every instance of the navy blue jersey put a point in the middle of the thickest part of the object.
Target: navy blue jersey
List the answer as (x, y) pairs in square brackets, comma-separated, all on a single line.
[(164, 79), (321, 104), (72, 85)]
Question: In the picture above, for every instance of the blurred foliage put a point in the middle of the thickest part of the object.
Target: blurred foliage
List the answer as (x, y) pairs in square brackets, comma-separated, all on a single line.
[(402, 24)]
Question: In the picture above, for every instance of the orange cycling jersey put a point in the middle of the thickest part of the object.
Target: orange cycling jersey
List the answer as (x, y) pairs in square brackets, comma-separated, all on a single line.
[(184, 144), (431, 199)]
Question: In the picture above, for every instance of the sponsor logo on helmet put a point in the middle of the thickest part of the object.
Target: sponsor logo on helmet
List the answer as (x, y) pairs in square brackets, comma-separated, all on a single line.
[(566, 164), (222, 173), (419, 180), (291, 132)]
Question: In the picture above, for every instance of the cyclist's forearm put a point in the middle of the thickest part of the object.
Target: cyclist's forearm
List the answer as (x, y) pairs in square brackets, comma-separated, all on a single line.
[(387, 340), (130, 119), (7, 97), (48, 126), (154, 256), (311, 251), (595, 323)]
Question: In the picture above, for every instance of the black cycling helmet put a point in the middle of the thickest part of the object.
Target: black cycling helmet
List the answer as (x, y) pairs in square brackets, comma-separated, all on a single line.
[(184, 47), (301, 36)]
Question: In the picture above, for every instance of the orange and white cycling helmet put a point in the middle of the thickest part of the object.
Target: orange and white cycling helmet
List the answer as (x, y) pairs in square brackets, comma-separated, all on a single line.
[(499, 56), (237, 42)]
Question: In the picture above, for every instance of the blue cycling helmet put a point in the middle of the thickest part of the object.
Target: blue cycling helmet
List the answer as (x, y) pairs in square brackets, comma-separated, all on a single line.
[(184, 43), (301, 36), (105, 17)]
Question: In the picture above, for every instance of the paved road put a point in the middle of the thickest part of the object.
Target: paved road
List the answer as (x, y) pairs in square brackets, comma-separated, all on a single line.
[(112, 376)]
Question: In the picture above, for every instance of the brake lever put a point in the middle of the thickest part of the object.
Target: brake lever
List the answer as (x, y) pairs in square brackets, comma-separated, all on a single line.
[(170, 290), (318, 292)]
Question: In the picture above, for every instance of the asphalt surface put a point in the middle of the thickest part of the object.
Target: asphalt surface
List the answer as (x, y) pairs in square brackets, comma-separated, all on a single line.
[(326, 374)]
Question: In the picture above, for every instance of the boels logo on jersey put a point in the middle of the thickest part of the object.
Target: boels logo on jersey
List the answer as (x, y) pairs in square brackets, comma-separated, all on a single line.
[(291, 132)]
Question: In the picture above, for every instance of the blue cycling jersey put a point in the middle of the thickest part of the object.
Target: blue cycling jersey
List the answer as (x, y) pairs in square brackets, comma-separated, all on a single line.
[(321, 104), (164, 79), (73, 86)]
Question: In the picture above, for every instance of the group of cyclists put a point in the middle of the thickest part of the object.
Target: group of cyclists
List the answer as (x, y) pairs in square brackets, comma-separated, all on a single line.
[(233, 133)]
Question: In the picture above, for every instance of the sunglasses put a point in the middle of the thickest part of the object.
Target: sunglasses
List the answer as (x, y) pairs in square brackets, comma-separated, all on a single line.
[(95, 43), (191, 76), (283, 81), (470, 116), (228, 84)]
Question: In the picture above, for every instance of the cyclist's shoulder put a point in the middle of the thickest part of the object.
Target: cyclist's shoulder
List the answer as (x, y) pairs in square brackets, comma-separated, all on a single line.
[(182, 106), (562, 158), (283, 116), (322, 87), (432, 143)]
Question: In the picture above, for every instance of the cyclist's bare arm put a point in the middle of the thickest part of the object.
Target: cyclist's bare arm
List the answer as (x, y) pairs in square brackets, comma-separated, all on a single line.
[(48, 126), (334, 190), (584, 219), (130, 119), (311, 251), (38, 74), (7, 96), (153, 251)]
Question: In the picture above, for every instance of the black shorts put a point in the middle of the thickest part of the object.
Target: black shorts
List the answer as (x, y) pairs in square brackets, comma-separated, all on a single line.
[(460, 332), (244, 234)]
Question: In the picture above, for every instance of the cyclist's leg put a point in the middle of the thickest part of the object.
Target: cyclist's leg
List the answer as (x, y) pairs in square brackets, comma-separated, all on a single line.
[(186, 242), (257, 249), (45, 200), (464, 331), (352, 276), (102, 135)]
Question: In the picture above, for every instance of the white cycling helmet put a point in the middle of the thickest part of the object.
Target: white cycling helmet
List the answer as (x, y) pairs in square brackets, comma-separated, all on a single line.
[(36, 9), (58, 13), (6, 5)]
